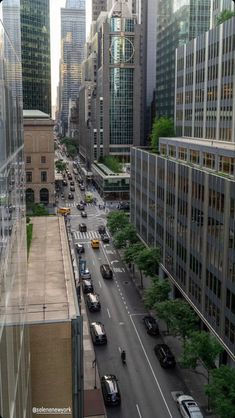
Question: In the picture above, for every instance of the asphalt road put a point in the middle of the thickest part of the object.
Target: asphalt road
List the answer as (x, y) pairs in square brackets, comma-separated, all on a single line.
[(145, 387)]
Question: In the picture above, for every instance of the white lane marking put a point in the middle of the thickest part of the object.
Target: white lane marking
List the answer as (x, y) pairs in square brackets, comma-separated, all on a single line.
[(108, 313), (100, 284), (114, 261), (138, 410), (154, 376), (93, 262)]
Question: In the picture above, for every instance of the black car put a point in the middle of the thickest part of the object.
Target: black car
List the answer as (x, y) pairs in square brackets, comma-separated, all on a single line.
[(93, 302), (101, 229), (83, 214), (87, 286), (106, 271), (165, 356), (80, 206), (151, 325), (72, 188), (70, 196), (98, 334), (83, 202), (110, 390), (80, 248), (70, 177), (82, 188), (104, 237), (82, 227), (65, 183), (72, 183)]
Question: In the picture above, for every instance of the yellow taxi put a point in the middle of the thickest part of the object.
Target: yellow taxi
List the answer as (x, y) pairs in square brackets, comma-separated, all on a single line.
[(95, 243), (64, 211)]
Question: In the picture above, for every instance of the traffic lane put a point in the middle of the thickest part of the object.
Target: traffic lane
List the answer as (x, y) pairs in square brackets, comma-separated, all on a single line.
[(137, 384), (118, 327)]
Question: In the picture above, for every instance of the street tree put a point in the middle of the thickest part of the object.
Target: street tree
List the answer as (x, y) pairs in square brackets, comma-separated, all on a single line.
[(60, 166), (131, 252), (201, 347), (157, 292), (162, 127), (125, 236), (221, 391), (179, 316), (148, 260), (223, 16), (116, 221)]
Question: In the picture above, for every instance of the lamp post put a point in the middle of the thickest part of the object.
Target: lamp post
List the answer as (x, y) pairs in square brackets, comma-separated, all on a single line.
[(94, 365)]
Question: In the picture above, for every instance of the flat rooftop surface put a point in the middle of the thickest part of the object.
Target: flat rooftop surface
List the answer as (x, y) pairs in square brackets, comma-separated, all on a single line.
[(51, 290)]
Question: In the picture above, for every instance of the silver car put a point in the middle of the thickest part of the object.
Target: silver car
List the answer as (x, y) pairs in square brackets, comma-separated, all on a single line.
[(188, 407)]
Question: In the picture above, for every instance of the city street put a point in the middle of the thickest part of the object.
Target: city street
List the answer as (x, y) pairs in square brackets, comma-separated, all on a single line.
[(145, 387)]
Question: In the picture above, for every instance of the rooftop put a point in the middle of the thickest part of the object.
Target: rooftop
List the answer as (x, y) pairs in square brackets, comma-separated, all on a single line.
[(35, 114)]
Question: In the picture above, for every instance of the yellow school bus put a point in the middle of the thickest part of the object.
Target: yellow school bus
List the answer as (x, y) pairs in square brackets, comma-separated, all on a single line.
[(64, 211)]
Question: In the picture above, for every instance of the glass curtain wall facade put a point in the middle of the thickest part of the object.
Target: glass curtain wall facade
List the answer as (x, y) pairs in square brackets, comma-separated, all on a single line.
[(36, 65), (15, 392)]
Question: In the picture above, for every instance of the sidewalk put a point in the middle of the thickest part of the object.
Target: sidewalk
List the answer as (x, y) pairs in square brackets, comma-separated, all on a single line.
[(193, 381)]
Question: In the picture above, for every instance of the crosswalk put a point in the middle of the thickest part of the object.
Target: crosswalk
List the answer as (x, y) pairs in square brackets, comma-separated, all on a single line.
[(74, 204), (86, 235)]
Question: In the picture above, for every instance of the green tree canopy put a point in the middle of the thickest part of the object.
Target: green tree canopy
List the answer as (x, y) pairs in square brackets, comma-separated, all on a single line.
[(221, 391), (179, 316), (162, 127), (125, 235), (112, 163), (116, 221), (223, 16), (131, 252), (201, 346), (60, 166), (157, 292), (148, 260)]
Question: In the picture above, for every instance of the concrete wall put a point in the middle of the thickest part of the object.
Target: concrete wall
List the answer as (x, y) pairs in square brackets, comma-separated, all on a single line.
[(51, 363)]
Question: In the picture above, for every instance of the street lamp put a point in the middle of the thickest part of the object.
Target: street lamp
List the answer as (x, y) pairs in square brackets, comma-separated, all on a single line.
[(94, 366)]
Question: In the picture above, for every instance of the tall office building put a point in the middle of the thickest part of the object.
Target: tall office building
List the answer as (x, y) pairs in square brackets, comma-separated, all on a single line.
[(177, 23), (97, 7), (36, 64), (15, 390), (73, 35), (183, 200)]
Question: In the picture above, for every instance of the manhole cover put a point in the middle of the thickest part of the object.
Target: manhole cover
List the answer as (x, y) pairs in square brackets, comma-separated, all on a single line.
[(126, 282)]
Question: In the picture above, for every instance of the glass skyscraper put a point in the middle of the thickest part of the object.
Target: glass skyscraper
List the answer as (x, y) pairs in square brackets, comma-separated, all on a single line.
[(15, 393), (36, 66)]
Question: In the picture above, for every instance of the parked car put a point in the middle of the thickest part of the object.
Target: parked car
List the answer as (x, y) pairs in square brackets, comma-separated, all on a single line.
[(87, 286), (101, 229), (98, 334), (80, 206), (65, 183), (85, 274), (106, 271), (80, 248), (188, 407), (165, 356), (93, 302), (72, 188), (82, 227), (110, 390), (104, 237), (151, 325), (70, 196), (83, 214)]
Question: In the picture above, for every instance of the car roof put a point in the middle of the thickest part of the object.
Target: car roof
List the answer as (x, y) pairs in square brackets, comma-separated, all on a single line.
[(93, 297), (98, 326)]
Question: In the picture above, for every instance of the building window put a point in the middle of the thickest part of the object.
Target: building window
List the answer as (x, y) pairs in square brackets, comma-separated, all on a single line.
[(43, 176), (194, 156), (28, 159), (43, 159), (29, 176), (183, 153)]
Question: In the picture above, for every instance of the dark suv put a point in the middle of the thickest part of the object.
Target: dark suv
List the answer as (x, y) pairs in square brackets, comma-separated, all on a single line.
[(93, 302), (110, 390), (151, 325), (87, 286), (165, 356), (82, 227), (98, 334), (106, 271), (101, 229)]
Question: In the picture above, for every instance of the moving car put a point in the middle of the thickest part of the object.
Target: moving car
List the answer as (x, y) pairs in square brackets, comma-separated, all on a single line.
[(72, 188), (82, 187), (165, 356), (70, 177), (188, 407), (98, 334), (151, 325), (65, 183), (106, 271), (80, 206), (70, 196), (93, 302), (83, 214), (87, 287), (64, 211), (82, 227), (95, 243), (85, 274), (110, 390), (101, 229), (80, 248), (104, 237), (71, 183)]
